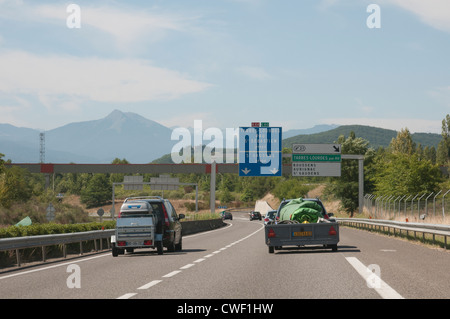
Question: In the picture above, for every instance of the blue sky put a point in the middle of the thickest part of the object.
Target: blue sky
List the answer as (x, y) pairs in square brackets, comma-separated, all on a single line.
[(292, 63)]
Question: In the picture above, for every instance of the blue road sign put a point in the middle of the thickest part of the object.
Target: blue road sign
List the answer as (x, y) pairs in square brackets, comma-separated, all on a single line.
[(260, 151)]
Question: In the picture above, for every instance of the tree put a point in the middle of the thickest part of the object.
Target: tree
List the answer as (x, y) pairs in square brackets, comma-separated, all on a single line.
[(2, 163), (225, 196), (73, 183), (247, 195), (98, 191), (15, 185), (346, 187), (443, 150), (291, 188), (430, 154), (401, 174), (442, 153), (403, 143), (118, 177)]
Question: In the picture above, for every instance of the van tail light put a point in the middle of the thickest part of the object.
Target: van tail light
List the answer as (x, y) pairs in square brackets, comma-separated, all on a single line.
[(332, 231), (271, 233), (166, 217)]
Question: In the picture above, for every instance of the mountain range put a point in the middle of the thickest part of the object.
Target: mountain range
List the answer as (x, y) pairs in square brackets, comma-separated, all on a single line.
[(377, 137), (130, 136), (118, 135)]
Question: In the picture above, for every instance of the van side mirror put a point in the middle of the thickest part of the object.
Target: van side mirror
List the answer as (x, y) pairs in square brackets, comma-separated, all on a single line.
[(181, 216)]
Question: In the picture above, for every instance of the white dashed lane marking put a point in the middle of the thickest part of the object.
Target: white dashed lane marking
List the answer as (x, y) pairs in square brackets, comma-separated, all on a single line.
[(171, 274), (175, 272)]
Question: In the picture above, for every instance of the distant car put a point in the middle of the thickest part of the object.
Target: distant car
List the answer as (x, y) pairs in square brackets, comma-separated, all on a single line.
[(227, 215), (270, 217), (255, 215)]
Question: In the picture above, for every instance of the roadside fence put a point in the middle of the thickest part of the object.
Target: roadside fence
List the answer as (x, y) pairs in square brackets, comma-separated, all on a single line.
[(412, 207)]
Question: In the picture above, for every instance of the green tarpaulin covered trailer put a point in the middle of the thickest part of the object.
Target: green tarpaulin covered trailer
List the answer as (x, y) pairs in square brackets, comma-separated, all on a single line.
[(301, 211)]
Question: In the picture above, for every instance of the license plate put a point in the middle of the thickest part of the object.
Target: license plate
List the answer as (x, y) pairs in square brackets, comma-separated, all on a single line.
[(134, 243), (301, 233)]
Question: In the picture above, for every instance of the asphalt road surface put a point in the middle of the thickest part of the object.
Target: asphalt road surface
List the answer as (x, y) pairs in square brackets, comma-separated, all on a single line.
[(233, 263)]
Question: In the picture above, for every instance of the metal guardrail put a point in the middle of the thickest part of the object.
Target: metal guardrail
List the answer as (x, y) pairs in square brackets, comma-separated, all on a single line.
[(17, 243), (373, 224)]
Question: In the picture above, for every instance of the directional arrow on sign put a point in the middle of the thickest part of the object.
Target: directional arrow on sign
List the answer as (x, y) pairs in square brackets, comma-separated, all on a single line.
[(274, 170), (316, 148), (246, 170)]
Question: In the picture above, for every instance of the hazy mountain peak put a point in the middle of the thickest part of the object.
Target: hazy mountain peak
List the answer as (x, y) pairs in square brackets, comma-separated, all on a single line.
[(115, 115)]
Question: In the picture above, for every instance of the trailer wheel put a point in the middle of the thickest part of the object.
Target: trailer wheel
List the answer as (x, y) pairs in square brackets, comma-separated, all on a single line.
[(115, 251)]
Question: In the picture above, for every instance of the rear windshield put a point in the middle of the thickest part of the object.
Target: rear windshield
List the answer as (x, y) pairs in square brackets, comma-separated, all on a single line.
[(271, 213), (134, 214)]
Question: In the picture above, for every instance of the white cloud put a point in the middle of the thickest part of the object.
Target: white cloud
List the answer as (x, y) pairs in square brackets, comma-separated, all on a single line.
[(127, 26), (94, 79), (413, 125), (12, 107), (435, 13)]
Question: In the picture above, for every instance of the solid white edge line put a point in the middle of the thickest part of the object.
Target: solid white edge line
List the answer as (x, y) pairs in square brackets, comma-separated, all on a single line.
[(385, 291), (74, 261)]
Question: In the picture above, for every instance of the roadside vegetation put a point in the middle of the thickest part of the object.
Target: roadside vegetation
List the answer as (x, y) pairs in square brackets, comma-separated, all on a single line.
[(401, 168)]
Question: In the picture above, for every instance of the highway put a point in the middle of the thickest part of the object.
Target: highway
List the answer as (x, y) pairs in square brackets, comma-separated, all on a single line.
[(233, 263)]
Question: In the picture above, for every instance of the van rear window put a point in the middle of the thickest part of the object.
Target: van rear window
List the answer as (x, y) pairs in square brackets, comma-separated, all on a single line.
[(134, 214)]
